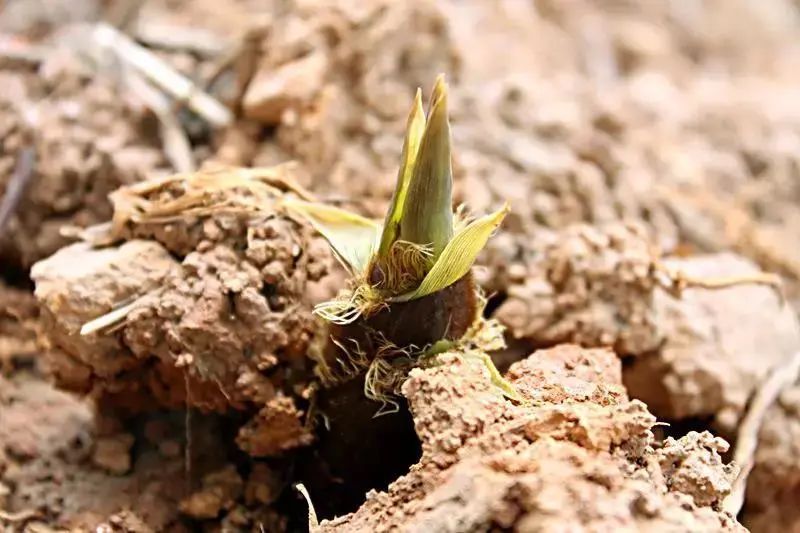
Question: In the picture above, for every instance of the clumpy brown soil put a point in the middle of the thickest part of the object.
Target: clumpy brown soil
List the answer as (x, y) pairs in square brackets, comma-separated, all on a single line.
[(86, 142), (639, 145), (690, 351), (580, 457), (216, 318)]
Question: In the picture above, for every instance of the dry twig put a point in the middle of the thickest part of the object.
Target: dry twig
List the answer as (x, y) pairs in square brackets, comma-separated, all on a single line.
[(163, 75), (113, 318), (19, 516), (781, 377), (17, 185), (676, 282), (15, 49), (176, 37), (175, 142)]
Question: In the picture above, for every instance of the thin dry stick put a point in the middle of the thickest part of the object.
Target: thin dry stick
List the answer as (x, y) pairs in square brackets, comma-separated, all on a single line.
[(187, 420), (19, 516), (676, 281), (113, 317), (15, 49), (175, 142), (781, 377), (163, 75), (17, 185), (313, 521), (180, 38)]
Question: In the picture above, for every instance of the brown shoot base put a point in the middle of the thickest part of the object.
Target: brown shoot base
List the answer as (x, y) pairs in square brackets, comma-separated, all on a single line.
[(357, 452)]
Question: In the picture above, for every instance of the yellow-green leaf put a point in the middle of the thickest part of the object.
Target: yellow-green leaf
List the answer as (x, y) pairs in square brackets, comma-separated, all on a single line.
[(439, 90), (427, 217), (458, 256), (351, 237), (415, 127)]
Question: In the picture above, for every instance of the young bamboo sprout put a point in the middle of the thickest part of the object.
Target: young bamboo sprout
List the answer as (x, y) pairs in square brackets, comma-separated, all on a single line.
[(411, 294)]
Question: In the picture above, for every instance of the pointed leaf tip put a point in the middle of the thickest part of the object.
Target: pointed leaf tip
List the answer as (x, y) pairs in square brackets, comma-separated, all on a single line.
[(415, 128), (439, 90), (427, 217)]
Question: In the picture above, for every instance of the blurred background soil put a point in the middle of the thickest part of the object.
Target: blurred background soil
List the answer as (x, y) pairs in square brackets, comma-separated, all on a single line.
[(629, 138)]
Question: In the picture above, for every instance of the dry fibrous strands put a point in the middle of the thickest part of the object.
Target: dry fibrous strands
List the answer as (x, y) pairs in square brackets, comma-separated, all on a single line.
[(676, 282), (203, 193), (163, 75), (181, 196), (781, 377)]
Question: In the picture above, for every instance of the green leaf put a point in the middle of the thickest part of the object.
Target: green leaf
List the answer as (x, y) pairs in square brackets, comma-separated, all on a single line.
[(458, 256), (415, 127), (427, 216), (351, 237)]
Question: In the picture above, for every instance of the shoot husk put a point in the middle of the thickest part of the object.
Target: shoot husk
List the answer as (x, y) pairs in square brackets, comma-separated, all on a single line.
[(411, 295)]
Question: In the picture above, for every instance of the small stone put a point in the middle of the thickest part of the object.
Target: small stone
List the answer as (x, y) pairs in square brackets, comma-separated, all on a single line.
[(170, 448), (113, 453), (220, 491), (274, 90)]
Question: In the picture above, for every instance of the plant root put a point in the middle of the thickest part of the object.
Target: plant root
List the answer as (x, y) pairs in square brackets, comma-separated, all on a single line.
[(675, 282), (781, 377)]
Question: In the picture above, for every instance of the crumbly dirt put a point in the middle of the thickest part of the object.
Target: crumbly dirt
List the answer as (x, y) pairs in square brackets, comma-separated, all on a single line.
[(65, 465), (693, 352), (218, 319), (86, 140), (581, 456), (18, 325), (588, 285), (626, 136)]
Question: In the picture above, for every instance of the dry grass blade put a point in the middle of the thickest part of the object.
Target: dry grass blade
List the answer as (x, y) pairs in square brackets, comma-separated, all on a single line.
[(676, 282), (19, 516), (113, 318), (313, 521), (16, 185), (178, 37), (175, 141), (162, 75), (203, 193), (781, 377)]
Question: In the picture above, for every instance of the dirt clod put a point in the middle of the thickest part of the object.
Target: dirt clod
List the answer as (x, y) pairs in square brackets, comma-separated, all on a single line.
[(213, 314), (219, 492), (692, 465), (589, 285), (716, 346), (113, 453), (609, 286), (87, 141), (569, 461)]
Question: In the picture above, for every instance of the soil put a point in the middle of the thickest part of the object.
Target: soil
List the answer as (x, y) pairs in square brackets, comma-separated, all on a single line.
[(579, 458), (647, 152)]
